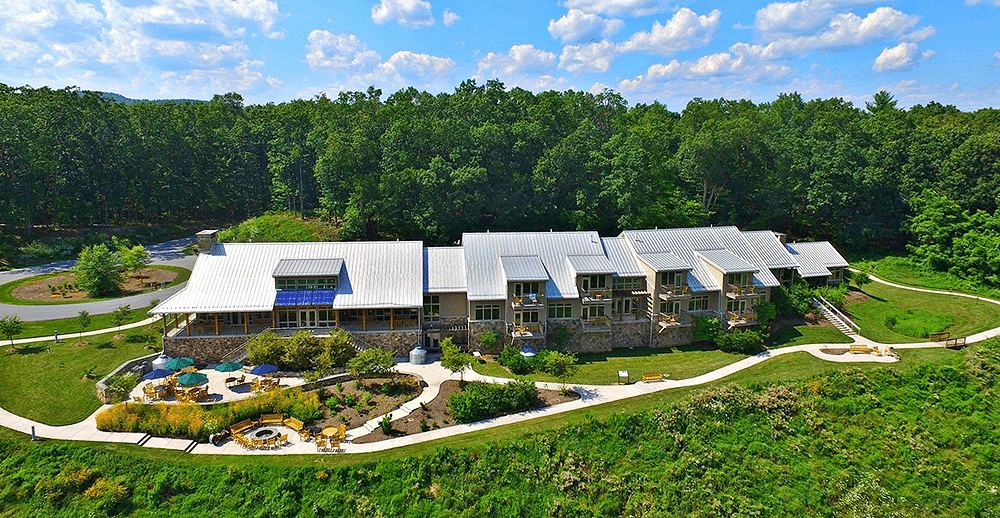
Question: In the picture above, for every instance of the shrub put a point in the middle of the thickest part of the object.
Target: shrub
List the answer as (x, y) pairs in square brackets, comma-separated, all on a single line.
[(766, 312), (707, 329), (917, 323), (793, 300), (749, 341), (490, 340), (119, 386), (300, 350), (836, 295), (97, 271), (266, 347), (480, 400), (512, 359), (371, 362), (385, 424)]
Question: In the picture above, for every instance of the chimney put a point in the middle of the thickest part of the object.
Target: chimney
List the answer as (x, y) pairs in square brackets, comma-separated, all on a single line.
[(782, 238), (206, 239)]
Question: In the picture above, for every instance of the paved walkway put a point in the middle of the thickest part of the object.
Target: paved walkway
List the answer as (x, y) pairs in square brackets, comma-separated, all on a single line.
[(168, 254), (433, 374)]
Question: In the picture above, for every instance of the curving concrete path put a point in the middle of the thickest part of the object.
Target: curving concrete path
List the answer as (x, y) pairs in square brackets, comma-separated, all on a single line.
[(434, 374), (168, 254)]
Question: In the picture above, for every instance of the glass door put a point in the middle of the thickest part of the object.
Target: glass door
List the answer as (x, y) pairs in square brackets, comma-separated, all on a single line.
[(307, 318)]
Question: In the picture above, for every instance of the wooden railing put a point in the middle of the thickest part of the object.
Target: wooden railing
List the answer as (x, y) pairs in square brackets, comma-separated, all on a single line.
[(668, 291), (528, 300)]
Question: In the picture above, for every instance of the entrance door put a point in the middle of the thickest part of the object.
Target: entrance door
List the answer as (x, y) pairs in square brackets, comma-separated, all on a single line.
[(307, 318)]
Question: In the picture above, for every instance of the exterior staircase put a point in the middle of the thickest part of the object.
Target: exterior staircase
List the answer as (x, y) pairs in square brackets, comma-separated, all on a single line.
[(833, 315)]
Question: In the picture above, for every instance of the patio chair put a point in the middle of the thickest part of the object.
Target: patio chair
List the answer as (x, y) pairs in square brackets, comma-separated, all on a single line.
[(282, 439), (334, 445), (188, 369), (342, 431), (271, 442), (305, 435), (320, 444)]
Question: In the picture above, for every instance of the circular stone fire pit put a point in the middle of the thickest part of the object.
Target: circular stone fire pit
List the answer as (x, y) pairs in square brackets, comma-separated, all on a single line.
[(264, 433)]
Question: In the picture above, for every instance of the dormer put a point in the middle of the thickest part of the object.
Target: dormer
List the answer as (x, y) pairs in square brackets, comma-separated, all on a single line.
[(307, 274), (526, 277), (737, 275), (593, 275)]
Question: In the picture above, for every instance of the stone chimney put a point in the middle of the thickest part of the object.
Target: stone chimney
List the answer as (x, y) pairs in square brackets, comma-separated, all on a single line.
[(782, 238), (207, 238)]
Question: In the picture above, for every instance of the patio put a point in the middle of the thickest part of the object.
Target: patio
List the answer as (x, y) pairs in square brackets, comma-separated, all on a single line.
[(216, 389)]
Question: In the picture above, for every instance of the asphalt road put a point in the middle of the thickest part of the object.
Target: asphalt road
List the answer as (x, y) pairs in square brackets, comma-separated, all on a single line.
[(168, 253)]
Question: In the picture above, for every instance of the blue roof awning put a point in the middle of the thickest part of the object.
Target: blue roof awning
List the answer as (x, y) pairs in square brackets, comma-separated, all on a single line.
[(287, 298)]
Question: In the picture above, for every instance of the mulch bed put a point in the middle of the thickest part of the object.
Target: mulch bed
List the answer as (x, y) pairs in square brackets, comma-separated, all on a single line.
[(39, 290), (837, 352), (436, 415), (379, 404)]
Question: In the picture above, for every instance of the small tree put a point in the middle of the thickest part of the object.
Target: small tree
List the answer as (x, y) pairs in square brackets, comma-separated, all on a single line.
[(860, 279), (120, 315), (490, 340), (453, 359), (766, 312), (371, 362), (11, 326), (134, 260), (560, 365), (301, 350), (707, 329), (97, 271), (267, 347), (83, 320)]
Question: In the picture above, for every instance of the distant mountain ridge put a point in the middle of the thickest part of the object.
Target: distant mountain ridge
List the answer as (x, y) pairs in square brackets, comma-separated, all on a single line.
[(125, 100)]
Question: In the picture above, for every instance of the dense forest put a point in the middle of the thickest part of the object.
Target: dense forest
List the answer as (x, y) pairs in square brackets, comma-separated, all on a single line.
[(415, 165)]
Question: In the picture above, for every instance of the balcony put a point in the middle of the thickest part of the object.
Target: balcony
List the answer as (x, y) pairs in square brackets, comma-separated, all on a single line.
[(666, 320), (741, 318), (738, 291), (669, 292), (526, 331), (528, 300), (597, 296), (595, 325)]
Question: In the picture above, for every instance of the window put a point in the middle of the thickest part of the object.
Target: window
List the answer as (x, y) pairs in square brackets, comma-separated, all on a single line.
[(525, 317), (628, 283), (326, 318), (736, 305), (288, 319), (592, 312), (699, 303), (294, 283), (561, 310), (233, 319), (486, 312), (673, 278), (625, 306), (673, 308), (738, 279), (524, 288), (432, 307)]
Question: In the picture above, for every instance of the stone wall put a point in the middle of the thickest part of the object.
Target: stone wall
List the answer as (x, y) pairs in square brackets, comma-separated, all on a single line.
[(476, 330), (673, 336), (203, 349), (399, 342), (630, 334)]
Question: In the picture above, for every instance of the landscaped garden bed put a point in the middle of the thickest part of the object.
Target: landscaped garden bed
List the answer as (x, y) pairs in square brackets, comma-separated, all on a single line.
[(436, 413), (61, 287), (354, 402)]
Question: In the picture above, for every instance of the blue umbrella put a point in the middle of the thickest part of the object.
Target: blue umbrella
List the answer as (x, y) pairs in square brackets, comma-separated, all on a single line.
[(157, 374), (264, 369), (527, 352)]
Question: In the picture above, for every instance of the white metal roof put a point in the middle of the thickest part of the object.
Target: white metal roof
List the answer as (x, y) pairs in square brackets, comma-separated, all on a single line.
[(307, 267), (621, 257), (484, 271), (725, 261), (664, 262), (590, 264), (684, 242), (774, 253), (444, 269), (523, 268), (237, 276), (816, 258)]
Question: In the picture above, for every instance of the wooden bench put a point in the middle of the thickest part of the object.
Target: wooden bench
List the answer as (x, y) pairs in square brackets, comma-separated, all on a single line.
[(272, 419), (860, 348), (242, 426), (294, 424), (652, 376), (955, 343)]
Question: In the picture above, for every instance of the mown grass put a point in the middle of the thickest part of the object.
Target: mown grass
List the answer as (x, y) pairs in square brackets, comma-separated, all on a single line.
[(279, 227), (602, 368), (68, 327), (801, 335), (970, 316), (903, 270), (6, 296), (45, 381)]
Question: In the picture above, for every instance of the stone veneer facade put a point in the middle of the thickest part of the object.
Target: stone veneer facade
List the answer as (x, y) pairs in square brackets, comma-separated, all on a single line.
[(202, 349), (399, 342), (623, 335)]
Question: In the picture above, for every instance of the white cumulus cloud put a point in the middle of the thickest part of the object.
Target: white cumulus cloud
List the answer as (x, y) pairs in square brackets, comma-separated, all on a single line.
[(412, 66), (593, 57), (577, 25), (520, 59), (408, 13), (340, 52), (449, 18), (900, 56), (685, 30), (621, 7)]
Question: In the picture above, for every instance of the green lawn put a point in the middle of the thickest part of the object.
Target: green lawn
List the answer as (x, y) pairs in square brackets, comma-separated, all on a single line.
[(902, 270), (602, 368), (45, 381), (969, 316), (801, 335), (183, 274), (68, 327)]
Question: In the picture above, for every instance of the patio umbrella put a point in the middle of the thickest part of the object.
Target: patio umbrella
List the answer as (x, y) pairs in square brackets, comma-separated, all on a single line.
[(157, 374), (264, 369), (527, 352), (179, 363), (229, 367), (192, 378)]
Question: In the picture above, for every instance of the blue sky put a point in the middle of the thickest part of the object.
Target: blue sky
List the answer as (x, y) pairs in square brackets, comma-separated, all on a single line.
[(647, 50)]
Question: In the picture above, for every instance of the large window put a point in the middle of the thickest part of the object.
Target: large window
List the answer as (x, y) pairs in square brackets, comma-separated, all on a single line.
[(593, 312), (296, 283), (738, 279), (486, 312), (673, 308), (326, 318), (525, 317), (432, 307), (628, 283), (698, 303), (673, 278), (561, 310), (590, 282), (288, 318), (736, 305), (524, 288)]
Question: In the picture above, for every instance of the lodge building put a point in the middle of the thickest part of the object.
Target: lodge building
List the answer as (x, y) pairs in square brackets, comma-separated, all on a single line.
[(572, 289)]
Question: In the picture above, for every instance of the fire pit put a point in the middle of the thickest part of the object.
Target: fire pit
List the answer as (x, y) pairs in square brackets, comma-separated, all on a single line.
[(264, 433)]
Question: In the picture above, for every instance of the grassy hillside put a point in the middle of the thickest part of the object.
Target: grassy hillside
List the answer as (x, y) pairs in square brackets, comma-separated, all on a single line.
[(916, 440), (279, 227)]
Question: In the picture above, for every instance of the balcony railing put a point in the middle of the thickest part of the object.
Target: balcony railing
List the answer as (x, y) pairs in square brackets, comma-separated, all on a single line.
[(673, 319), (526, 330), (528, 300), (597, 295), (674, 291), (595, 324), (741, 290), (741, 318)]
